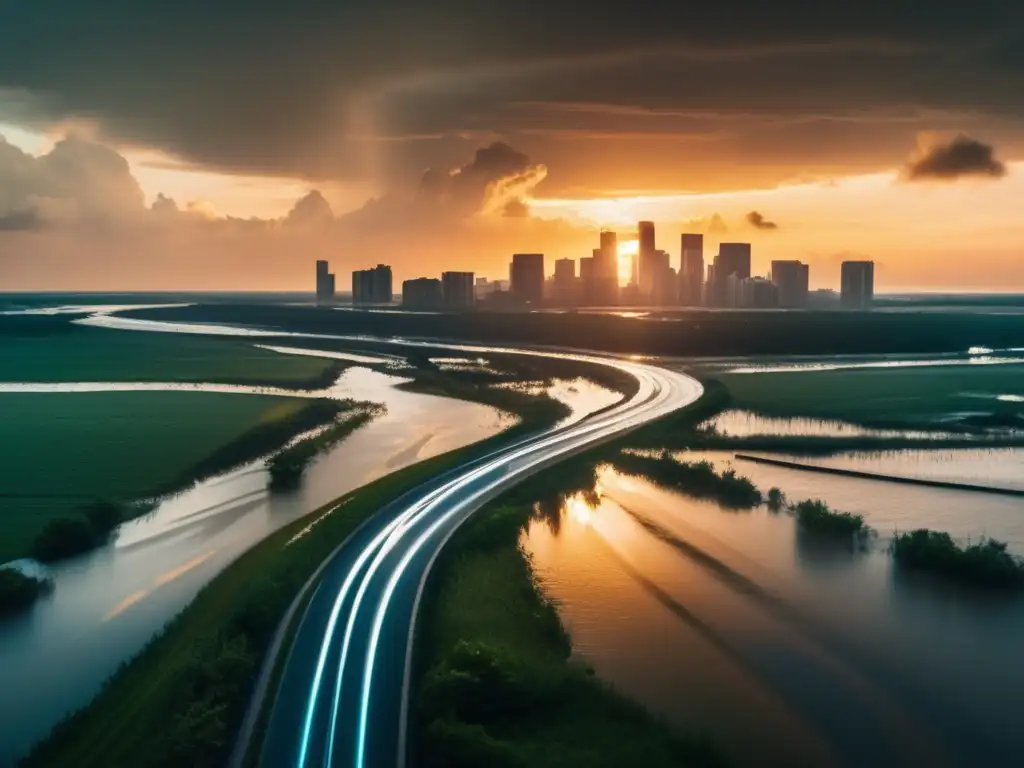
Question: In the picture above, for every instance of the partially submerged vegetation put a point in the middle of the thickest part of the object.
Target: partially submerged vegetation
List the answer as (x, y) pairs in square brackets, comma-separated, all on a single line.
[(19, 591), (498, 687), (63, 451), (814, 516), (90, 527), (699, 479), (984, 564), (287, 465)]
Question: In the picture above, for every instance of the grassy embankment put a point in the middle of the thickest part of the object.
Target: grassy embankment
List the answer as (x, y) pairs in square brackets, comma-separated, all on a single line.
[(898, 398), (181, 699)]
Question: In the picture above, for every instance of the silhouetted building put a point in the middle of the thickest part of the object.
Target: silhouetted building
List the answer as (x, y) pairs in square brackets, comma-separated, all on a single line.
[(526, 277), (606, 271), (646, 272), (564, 284), (733, 260), (587, 268), (664, 283), (858, 284), (372, 286), (792, 278), (457, 289), (324, 282), (422, 293), (757, 293), (691, 271)]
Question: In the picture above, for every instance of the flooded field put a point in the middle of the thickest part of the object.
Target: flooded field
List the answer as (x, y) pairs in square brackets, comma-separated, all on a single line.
[(786, 651)]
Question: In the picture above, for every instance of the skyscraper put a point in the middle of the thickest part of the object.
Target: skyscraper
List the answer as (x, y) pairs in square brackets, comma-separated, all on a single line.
[(733, 260), (457, 289), (792, 279), (526, 275), (422, 293), (691, 271), (372, 286), (324, 282), (646, 275), (858, 284), (605, 289), (565, 281)]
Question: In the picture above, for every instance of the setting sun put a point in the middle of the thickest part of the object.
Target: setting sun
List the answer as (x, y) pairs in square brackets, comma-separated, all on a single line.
[(628, 251)]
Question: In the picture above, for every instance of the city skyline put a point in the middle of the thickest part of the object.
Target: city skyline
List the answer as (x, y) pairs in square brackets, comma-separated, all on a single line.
[(849, 133)]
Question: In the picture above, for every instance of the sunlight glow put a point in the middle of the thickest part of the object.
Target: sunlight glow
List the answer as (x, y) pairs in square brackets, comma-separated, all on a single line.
[(579, 510), (628, 251)]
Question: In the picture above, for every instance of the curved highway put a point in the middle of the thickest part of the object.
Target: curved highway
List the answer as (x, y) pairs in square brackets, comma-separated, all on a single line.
[(344, 695)]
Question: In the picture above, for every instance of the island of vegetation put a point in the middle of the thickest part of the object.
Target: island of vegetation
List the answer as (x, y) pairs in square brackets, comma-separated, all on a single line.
[(698, 479), (986, 563), (815, 517), (19, 591)]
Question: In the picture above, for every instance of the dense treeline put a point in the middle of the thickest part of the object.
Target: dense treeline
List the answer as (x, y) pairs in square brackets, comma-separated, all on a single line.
[(814, 516), (699, 333)]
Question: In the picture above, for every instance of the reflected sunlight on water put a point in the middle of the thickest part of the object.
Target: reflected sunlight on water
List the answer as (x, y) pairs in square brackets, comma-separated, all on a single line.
[(786, 650)]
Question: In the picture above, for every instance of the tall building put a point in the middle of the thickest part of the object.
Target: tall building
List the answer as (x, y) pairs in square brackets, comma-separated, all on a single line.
[(587, 267), (422, 293), (605, 289), (457, 289), (792, 278), (324, 282), (691, 271), (858, 284), (564, 288), (647, 272), (733, 260), (663, 280), (526, 275), (372, 286)]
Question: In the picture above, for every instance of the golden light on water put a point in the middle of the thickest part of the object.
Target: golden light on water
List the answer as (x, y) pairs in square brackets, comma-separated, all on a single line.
[(579, 510)]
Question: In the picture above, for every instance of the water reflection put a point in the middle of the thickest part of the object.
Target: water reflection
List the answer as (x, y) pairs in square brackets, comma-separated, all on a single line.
[(739, 423), (107, 605), (790, 652), (581, 395)]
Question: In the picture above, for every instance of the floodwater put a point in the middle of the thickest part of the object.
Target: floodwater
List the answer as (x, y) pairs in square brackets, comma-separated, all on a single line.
[(581, 395), (787, 652), (105, 606), (739, 423)]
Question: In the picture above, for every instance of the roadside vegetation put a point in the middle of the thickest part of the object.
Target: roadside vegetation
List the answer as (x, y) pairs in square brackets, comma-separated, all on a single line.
[(984, 564), (18, 591), (498, 687), (181, 699), (62, 452)]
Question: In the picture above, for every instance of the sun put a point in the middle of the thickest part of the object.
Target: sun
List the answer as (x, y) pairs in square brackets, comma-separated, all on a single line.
[(628, 252)]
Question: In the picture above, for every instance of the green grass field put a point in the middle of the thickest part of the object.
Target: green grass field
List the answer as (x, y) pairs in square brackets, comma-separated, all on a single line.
[(877, 395), (79, 353), (58, 449)]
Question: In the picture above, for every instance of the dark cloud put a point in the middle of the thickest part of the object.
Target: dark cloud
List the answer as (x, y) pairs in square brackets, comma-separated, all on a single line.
[(20, 221), (960, 156), (324, 89), (758, 221)]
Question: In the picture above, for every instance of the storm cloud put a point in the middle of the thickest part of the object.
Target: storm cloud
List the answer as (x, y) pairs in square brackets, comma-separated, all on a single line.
[(326, 90), (949, 160)]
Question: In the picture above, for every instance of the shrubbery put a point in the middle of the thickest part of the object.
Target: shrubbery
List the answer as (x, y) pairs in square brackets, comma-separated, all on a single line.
[(696, 479), (18, 591), (287, 465), (67, 537), (814, 516), (985, 564)]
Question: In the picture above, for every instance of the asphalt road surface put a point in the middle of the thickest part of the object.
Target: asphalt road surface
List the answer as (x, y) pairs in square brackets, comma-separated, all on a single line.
[(343, 699)]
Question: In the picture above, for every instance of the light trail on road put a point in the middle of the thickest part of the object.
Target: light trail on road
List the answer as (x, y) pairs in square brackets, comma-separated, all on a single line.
[(343, 699)]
